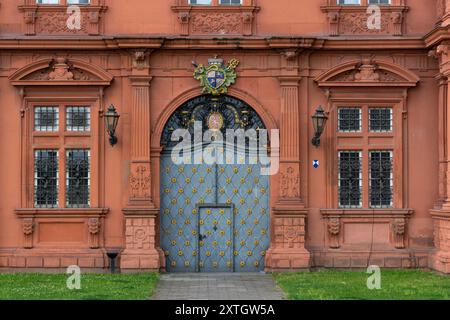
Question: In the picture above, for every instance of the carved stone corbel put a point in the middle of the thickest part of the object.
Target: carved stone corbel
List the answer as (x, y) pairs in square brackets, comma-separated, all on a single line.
[(399, 232), (397, 23), (94, 22), (28, 230), (94, 232), (140, 59), (183, 19), (30, 16), (334, 230), (247, 23), (333, 22)]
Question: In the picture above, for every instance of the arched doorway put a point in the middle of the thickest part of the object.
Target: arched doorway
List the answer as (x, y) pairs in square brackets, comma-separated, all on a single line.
[(215, 217)]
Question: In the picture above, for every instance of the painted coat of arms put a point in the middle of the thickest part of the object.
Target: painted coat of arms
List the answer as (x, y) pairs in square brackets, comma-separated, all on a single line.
[(216, 77)]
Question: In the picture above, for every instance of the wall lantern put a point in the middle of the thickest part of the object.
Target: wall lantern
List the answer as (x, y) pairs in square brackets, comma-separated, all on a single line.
[(111, 120), (319, 122)]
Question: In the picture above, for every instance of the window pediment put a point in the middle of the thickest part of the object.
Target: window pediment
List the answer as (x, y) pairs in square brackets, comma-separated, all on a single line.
[(60, 71), (367, 73)]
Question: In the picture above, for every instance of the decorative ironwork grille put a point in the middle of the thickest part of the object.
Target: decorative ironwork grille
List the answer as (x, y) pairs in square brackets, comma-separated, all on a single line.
[(350, 179), (380, 119), (381, 179), (78, 118), (77, 178), (349, 119), (235, 114), (46, 178), (46, 118)]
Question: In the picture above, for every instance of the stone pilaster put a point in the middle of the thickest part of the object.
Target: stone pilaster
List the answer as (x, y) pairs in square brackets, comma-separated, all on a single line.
[(140, 215), (442, 118), (440, 258), (287, 249)]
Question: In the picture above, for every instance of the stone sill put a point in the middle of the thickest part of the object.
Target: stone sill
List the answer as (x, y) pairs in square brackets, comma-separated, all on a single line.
[(59, 8), (366, 213), (360, 8), (62, 213), (214, 9)]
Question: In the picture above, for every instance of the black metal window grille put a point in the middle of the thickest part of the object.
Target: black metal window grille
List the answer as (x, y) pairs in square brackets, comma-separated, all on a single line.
[(381, 179), (380, 119), (78, 118), (349, 119), (46, 118), (46, 178), (350, 179), (78, 178)]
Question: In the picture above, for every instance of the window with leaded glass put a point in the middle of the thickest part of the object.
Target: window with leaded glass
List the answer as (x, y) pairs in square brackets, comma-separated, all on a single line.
[(380, 119), (77, 178), (78, 118), (349, 119), (350, 179), (46, 178), (46, 118), (381, 179)]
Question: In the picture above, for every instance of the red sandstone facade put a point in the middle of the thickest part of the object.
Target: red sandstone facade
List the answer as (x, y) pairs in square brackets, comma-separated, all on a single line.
[(294, 56)]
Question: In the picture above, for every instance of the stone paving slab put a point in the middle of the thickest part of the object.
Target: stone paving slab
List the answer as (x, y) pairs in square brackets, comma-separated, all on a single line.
[(217, 286)]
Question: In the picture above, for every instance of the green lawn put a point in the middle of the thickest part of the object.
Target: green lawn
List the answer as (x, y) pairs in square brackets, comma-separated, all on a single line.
[(93, 287), (345, 285)]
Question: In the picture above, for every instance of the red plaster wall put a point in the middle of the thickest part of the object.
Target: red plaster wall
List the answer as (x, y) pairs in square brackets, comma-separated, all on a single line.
[(259, 71)]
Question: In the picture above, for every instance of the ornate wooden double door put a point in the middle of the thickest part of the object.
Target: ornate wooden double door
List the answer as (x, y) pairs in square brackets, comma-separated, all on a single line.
[(214, 217)]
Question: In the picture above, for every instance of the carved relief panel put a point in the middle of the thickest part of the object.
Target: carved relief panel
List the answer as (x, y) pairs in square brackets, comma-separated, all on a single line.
[(216, 19), (365, 20), (63, 19)]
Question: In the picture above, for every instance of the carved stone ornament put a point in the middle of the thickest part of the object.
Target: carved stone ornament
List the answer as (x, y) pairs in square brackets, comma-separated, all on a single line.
[(140, 182), (289, 232), (27, 227), (94, 230), (54, 20), (216, 77), (398, 233), (140, 59), (334, 229), (364, 20), (368, 72), (290, 182), (216, 19), (28, 230), (61, 70), (94, 225)]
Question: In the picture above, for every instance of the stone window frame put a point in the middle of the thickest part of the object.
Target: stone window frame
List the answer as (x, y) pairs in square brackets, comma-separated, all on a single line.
[(232, 20), (62, 141), (60, 81), (39, 19), (349, 19), (365, 142), (373, 83)]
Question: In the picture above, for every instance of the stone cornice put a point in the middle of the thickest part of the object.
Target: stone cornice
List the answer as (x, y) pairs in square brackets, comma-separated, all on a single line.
[(203, 43), (436, 36)]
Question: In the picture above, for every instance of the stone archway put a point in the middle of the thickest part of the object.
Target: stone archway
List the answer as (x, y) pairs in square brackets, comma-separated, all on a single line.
[(214, 217)]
